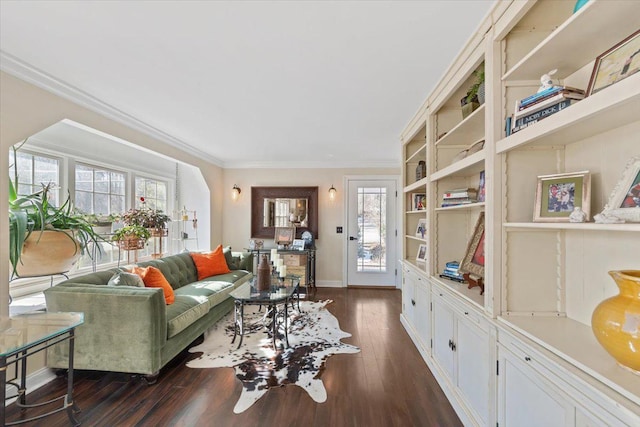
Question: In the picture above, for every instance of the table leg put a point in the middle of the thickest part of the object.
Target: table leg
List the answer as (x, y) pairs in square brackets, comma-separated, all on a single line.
[(3, 386), (241, 324), (22, 393), (274, 311), (70, 404), (284, 323)]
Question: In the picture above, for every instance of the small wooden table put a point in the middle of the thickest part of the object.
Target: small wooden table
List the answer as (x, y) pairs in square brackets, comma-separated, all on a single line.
[(28, 334)]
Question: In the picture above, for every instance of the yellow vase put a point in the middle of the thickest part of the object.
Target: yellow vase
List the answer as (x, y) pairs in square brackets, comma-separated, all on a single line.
[(616, 320)]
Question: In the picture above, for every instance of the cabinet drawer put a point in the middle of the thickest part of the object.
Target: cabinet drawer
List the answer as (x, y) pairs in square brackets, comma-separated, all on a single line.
[(292, 260)]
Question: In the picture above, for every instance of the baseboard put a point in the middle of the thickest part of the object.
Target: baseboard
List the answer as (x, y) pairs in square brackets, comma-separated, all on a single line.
[(34, 382), (329, 284), (371, 287)]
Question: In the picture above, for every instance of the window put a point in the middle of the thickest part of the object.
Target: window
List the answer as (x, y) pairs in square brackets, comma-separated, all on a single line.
[(34, 170), (99, 191), (282, 213), (154, 193)]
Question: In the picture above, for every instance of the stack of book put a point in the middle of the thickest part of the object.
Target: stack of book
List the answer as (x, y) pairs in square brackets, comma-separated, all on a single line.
[(459, 196), (452, 271), (540, 105)]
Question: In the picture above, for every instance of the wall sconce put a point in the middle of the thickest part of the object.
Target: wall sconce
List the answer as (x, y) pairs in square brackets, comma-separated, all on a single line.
[(332, 193), (235, 192)]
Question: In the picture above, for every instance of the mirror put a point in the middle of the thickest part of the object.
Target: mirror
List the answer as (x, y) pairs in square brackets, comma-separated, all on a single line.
[(283, 207), (280, 212)]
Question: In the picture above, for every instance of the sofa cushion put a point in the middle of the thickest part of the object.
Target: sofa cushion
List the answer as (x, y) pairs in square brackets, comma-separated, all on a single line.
[(216, 289), (153, 278), (210, 263), (228, 257), (122, 278), (179, 269), (185, 310)]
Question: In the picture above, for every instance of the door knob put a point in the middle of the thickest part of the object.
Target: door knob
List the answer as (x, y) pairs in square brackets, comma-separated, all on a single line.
[(353, 238)]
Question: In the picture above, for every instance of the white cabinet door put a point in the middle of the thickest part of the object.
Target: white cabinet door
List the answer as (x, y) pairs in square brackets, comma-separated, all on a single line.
[(422, 314), (408, 295), (475, 367), (443, 338), (527, 399)]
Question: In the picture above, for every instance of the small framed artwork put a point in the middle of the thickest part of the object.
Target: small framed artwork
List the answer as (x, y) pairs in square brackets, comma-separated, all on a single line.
[(557, 195), (298, 245), (616, 64), (481, 190), (285, 235), (421, 256), (421, 228), (473, 261), (418, 201), (624, 202)]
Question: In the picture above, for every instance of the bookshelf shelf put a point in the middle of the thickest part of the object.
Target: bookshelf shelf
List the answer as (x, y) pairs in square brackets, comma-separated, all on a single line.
[(468, 166), (467, 131)]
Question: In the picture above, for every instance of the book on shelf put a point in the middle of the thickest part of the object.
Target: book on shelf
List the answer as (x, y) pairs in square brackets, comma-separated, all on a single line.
[(541, 106), (548, 100), (547, 93), (460, 192), (458, 202), (532, 118)]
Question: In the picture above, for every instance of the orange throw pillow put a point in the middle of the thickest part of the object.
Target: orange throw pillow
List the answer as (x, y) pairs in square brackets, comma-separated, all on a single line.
[(153, 278), (210, 263)]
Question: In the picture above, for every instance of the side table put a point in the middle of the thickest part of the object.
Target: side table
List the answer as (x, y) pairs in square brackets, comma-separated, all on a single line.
[(28, 334)]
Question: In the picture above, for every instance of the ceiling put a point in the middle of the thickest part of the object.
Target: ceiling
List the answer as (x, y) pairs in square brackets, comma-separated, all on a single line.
[(252, 83)]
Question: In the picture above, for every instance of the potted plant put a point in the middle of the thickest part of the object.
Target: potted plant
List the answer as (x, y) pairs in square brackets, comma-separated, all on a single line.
[(131, 237), (153, 219), (45, 239), (475, 95)]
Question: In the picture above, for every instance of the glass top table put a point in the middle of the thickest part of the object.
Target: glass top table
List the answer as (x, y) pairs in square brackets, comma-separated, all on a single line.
[(280, 293), (24, 335)]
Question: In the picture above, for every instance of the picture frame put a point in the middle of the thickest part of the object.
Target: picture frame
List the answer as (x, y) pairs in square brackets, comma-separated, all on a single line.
[(624, 201), (481, 197), (473, 261), (421, 228), (284, 235), (615, 64), (418, 201), (298, 245), (558, 194), (421, 256)]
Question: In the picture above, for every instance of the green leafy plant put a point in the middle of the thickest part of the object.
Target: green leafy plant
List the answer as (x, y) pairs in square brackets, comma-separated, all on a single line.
[(472, 93), (34, 213), (131, 232), (145, 217)]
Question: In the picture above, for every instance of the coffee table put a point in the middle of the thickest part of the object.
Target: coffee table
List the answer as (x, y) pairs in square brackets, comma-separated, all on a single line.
[(276, 299), (25, 335)]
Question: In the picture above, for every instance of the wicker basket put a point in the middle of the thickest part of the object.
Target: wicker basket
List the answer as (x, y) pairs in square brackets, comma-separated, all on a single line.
[(131, 244)]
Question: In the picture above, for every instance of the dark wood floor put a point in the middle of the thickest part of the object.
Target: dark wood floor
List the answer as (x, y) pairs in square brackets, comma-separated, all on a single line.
[(386, 384)]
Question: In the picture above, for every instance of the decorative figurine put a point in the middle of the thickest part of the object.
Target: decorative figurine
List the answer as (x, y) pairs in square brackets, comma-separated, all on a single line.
[(578, 215), (546, 82), (606, 218)]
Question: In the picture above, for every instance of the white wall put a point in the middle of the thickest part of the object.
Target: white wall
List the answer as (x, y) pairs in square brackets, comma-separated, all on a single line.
[(236, 216)]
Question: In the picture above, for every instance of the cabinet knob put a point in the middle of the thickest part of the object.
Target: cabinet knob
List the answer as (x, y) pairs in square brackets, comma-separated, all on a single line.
[(413, 302), (527, 359), (466, 313)]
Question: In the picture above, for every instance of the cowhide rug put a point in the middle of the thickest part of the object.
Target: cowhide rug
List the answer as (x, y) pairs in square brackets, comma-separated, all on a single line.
[(314, 335)]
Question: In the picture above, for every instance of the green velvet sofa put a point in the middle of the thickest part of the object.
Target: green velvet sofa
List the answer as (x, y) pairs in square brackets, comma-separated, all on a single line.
[(131, 329)]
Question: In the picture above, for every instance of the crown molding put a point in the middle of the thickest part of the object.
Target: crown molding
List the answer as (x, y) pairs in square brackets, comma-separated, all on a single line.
[(312, 165), (20, 69)]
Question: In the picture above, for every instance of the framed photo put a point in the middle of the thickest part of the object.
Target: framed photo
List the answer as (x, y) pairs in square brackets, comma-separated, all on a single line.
[(298, 245), (558, 194), (418, 201), (481, 190), (616, 64), (285, 235), (421, 228), (624, 201), (421, 256), (473, 261)]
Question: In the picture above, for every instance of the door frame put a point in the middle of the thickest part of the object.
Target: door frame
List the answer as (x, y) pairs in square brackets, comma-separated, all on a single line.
[(345, 234)]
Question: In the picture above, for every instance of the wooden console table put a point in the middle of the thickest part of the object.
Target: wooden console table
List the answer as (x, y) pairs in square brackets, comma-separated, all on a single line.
[(303, 260), (28, 334)]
